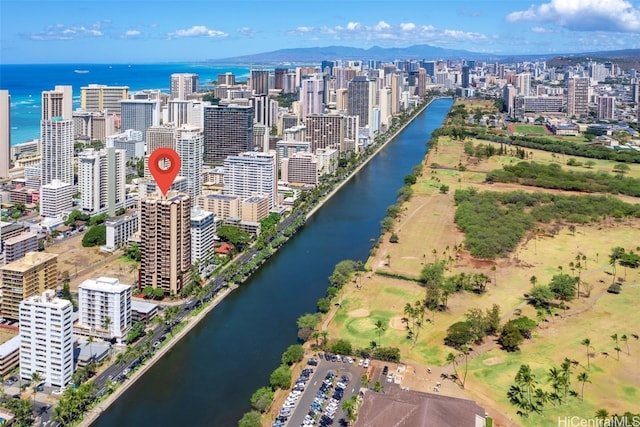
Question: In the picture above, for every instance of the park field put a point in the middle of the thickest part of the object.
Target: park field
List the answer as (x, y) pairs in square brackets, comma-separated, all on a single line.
[(531, 129), (426, 233)]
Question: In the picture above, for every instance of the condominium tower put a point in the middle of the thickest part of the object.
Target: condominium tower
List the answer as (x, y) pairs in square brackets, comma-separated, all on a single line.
[(56, 135), (101, 180), (139, 114), (96, 98), (578, 96), (228, 131), (104, 308), (183, 85), (46, 341), (28, 276), (358, 99), (166, 246), (251, 173), (189, 148)]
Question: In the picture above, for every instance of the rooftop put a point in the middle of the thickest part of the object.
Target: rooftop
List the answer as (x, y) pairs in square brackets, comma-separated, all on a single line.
[(30, 260), (104, 284)]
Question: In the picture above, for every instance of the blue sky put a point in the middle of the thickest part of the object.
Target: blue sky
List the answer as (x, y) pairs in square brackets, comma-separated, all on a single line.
[(139, 31)]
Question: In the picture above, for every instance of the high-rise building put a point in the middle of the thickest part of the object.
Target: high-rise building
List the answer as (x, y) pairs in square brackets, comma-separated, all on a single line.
[(260, 82), (279, 76), (131, 141), (56, 198), (18, 246), (57, 103), (311, 96), (183, 85), (190, 149), (46, 344), (139, 114), (228, 130), (324, 130), (166, 247), (578, 96), (5, 133), (606, 107), (101, 180), (358, 99), (158, 137), (97, 98), (30, 275), (56, 137), (523, 84), (300, 168), (104, 308), (465, 76), (203, 230), (227, 78), (251, 173)]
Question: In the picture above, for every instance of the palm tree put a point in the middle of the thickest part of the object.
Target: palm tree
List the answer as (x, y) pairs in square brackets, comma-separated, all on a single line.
[(380, 328), (106, 324), (324, 334), (465, 350), (90, 342), (451, 358), (583, 377), (614, 337), (36, 379), (587, 343), (565, 367), (625, 340)]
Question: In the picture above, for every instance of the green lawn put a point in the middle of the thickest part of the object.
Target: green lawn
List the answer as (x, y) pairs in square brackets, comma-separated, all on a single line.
[(530, 129)]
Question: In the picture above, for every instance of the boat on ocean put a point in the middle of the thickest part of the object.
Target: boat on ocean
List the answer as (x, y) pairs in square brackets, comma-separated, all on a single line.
[(81, 71)]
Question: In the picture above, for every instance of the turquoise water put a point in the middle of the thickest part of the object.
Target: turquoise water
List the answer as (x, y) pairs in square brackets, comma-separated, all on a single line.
[(25, 84)]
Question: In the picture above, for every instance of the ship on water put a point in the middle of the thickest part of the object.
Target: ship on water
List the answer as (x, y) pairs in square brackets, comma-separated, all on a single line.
[(81, 71)]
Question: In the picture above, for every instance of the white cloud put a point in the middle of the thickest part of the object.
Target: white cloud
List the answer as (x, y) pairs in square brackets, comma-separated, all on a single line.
[(541, 30), (353, 26), (391, 34), (584, 15), (64, 32), (382, 26), (131, 33), (247, 31), (408, 26), (198, 31)]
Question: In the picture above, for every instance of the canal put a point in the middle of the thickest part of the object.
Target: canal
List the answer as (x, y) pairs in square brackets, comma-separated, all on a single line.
[(208, 378)]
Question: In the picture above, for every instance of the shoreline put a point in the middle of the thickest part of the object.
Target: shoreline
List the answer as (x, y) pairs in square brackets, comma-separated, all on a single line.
[(93, 414)]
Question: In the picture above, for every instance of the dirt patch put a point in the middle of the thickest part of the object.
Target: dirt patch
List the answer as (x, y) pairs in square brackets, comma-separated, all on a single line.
[(397, 323), (361, 312), (493, 361)]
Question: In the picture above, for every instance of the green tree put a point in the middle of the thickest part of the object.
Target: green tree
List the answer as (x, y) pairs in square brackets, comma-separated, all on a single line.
[(587, 343), (96, 236), (294, 353), (563, 287), (614, 337), (170, 315), (133, 252), (540, 296), (262, 398), (36, 379), (308, 320), (22, 410), (342, 346), (280, 378), (583, 377), (251, 419), (459, 334), (510, 337), (380, 328)]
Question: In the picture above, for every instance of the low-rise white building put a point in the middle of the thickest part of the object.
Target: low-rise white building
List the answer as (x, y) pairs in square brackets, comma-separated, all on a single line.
[(202, 235), (104, 308), (46, 344), (120, 229)]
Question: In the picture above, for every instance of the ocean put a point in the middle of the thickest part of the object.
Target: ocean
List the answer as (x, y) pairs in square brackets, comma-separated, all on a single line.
[(25, 84)]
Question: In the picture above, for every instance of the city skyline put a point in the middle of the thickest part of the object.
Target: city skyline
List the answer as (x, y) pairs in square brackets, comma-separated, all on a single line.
[(98, 32)]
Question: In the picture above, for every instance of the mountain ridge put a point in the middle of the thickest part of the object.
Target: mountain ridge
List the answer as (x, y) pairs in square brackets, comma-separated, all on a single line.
[(313, 55)]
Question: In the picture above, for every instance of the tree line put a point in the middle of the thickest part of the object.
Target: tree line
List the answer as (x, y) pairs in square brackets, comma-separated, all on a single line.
[(495, 222), (553, 176)]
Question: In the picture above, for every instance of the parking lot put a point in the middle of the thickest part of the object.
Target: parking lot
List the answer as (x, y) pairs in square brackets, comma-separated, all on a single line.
[(318, 401)]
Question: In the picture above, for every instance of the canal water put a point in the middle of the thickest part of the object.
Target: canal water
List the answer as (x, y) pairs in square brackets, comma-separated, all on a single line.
[(208, 378)]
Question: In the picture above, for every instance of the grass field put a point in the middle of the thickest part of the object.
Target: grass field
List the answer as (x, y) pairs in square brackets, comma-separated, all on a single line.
[(427, 232), (530, 129)]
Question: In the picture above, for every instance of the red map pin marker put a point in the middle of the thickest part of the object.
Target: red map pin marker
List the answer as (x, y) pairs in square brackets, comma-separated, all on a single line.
[(164, 177)]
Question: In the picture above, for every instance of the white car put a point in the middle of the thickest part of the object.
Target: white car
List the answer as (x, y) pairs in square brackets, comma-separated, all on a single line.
[(366, 363), (57, 391), (360, 362)]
